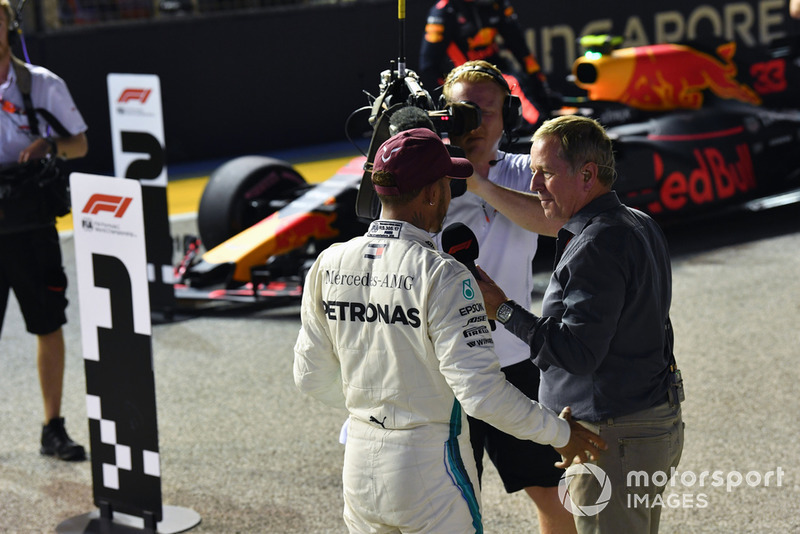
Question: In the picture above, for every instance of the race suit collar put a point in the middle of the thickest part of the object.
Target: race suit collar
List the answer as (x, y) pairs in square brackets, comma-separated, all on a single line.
[(392, 229)]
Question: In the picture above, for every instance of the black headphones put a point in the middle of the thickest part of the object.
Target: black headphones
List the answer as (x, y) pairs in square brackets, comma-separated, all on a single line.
[(13, 29), (13, 33), (512, 105)]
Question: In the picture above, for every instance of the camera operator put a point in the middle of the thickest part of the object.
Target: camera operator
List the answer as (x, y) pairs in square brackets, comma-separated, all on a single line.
[(36, 102)]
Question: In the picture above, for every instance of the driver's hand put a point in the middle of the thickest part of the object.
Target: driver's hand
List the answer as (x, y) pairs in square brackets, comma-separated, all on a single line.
[(583, 445)]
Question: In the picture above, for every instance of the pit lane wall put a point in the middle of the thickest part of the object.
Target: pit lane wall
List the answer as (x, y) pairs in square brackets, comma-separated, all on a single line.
[(260, 81)]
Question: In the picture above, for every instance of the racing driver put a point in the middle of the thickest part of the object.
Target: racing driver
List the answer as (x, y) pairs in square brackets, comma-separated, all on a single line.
[(396, 331)]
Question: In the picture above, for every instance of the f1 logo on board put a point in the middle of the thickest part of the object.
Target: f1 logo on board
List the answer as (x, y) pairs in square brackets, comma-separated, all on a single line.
[(135, 94), (100, 202)]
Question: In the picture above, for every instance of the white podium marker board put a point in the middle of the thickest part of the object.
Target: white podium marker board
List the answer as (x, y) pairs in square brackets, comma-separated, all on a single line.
[(137, 141), (118, 359)]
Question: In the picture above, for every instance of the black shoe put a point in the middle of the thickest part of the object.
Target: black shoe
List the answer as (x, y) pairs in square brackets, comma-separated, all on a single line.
[(56, 442)]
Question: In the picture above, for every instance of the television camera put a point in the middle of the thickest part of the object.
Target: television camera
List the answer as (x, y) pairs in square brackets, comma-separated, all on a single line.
[(391, 111)]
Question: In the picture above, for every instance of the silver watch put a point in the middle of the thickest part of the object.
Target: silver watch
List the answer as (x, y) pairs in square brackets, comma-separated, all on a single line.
[(504, 311)]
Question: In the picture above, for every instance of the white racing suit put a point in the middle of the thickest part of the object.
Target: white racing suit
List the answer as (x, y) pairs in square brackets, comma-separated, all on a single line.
[(397, 332)]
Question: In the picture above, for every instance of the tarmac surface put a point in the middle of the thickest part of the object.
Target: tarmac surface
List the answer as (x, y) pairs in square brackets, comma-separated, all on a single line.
[(250, 454)]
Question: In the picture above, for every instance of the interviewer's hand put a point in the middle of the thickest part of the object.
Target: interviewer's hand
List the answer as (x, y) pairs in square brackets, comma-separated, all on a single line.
[(493, 296), (583, 444)]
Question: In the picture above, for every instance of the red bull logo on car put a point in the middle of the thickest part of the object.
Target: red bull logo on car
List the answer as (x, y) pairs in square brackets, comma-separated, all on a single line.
[(662, 77), (713, 178)]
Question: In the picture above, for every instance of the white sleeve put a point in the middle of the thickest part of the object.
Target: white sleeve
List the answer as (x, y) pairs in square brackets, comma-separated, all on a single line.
[(462, 338), (513, 172), (50, 92), (317, 371)]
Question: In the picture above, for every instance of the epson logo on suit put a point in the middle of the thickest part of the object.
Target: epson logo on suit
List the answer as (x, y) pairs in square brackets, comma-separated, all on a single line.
[(472, 308)]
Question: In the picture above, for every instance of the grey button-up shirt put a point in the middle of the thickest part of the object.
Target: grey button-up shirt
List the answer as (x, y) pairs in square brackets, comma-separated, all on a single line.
[(600, 343)]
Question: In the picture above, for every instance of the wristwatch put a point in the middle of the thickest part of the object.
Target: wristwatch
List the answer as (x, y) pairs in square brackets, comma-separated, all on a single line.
[(504, 311)]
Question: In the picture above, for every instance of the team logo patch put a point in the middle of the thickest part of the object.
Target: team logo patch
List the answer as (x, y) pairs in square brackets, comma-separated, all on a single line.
[(472, 308), (375, 250), (476, 319), (475, 331), (466, 289)]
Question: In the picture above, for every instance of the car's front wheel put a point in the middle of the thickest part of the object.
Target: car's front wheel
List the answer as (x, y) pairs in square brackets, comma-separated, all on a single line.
[(241, 193)]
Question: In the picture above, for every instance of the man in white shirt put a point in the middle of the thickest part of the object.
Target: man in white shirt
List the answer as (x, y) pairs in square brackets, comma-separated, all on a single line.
[(506, 251), (38, 120)]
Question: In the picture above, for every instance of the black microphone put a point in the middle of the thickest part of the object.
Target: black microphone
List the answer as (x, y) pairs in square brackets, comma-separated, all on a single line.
[(494, 162), (460, 242)]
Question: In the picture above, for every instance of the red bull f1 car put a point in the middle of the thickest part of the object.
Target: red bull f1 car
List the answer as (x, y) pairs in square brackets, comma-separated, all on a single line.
[(695, 130)]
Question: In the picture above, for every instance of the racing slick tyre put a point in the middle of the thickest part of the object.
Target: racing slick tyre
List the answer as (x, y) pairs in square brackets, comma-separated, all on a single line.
[(242, 192)]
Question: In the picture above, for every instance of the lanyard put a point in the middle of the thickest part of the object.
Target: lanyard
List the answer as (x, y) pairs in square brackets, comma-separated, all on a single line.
[(9, 107)]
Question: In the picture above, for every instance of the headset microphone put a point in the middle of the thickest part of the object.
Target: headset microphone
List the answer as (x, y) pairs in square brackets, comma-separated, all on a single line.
[(459, 241), (494, 162)]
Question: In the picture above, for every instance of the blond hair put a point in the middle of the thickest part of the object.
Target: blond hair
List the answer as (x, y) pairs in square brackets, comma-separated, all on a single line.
[(6, 5), (582, 140), (478, 70)]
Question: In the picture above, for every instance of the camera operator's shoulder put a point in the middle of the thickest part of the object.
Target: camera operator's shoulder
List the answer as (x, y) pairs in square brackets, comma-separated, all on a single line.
[(43, 79)]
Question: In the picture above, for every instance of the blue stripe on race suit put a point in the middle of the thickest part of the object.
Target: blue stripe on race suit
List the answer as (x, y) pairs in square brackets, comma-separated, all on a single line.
[(458, 473)]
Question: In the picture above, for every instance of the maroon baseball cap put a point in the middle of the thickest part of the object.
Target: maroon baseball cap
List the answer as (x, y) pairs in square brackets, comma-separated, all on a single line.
[(416, 158)]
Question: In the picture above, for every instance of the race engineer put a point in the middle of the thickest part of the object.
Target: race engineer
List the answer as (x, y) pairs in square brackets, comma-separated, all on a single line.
[(396, 331), (458, 31), (38, 120)]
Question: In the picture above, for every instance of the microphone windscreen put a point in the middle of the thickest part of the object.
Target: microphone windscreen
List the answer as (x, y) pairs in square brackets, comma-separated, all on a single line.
[(409, 117), (460, 242)]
